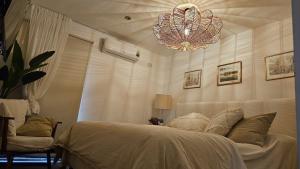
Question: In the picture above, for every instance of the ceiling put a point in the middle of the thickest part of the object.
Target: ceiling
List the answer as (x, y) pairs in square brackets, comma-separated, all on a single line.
[(108, 15)]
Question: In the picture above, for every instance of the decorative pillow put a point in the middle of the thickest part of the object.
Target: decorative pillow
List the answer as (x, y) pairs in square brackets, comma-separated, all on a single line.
[(252, 130), (223, 122), (192, 122), (36, 126)]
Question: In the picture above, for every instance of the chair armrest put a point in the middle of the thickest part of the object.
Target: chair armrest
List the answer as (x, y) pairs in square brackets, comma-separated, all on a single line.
[(4, 132), (55, 128), (9, 118)]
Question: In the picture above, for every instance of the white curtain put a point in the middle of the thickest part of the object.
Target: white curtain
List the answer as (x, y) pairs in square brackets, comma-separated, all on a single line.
[(14, 19), (22, 36), (48, 31)]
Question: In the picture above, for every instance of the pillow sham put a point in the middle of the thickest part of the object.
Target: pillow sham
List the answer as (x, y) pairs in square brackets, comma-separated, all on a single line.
[(222, 122), (252, 130), (36, 126), (191, 122)]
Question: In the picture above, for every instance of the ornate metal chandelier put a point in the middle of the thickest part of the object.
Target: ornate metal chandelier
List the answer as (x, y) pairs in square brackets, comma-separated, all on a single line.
[(186, 28)]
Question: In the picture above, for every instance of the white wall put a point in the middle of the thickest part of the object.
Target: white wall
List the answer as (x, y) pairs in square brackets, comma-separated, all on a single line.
[(250, 47), (271, 39), (118, 90)]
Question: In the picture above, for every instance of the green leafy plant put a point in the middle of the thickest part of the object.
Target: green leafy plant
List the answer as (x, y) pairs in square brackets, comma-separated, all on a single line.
[(16, 75)]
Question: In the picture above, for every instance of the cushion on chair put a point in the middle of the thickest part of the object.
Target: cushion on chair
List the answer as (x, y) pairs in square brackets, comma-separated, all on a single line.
[(37, 126), (26, 143), (14, 108)]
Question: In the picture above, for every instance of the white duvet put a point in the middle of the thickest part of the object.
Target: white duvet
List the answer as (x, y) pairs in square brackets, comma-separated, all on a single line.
[(279, 152), (126, 146)]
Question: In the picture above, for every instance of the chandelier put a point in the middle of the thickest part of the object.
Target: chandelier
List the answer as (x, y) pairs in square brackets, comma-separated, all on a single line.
[(186, 28)]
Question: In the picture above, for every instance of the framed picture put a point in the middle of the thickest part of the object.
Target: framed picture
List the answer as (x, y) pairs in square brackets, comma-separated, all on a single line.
[(280, 66), (230, 73), (192, 79)]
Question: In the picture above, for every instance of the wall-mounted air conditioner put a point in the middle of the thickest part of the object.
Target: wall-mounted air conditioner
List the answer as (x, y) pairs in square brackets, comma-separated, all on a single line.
[(120, 49)]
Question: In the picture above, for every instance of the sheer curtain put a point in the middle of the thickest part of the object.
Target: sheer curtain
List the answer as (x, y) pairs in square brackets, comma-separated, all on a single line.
[(22, 36), (14, 19), (48, 31)]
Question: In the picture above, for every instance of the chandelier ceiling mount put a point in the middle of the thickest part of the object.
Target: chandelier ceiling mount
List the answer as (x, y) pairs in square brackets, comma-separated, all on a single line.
[(186, 28)]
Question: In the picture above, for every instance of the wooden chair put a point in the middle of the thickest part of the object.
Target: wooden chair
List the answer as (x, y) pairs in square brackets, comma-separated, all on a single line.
[(20, 145)]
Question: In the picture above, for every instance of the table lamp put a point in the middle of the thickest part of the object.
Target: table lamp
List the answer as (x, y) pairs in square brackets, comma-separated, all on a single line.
[(161, 102)]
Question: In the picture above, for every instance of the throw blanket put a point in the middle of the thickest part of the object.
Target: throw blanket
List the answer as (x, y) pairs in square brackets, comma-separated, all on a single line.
[(127, 146)]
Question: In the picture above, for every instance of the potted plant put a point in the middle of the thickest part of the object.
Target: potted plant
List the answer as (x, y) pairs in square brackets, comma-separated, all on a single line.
[(15, 74)]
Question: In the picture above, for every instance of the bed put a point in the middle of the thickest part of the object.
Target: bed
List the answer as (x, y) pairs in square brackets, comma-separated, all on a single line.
[(279, 151), (103, 145)]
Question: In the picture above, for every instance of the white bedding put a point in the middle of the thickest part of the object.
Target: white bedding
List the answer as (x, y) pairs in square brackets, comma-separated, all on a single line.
[(279, 152), (126, 146)]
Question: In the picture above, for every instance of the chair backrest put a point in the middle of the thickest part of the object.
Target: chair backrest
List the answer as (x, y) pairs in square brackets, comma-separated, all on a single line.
[(16, 108), (2, 127), (3, 121), (3, 133)]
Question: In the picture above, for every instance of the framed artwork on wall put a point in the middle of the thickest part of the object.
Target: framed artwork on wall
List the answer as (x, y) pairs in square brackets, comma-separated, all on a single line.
[(192, 79), (230, 73), (280, 66)]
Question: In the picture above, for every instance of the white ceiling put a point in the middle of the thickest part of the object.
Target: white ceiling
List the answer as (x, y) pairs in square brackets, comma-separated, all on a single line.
[(108, 15)]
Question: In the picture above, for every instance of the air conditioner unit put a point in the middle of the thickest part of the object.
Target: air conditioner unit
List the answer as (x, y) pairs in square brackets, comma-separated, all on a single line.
[(120, 49)]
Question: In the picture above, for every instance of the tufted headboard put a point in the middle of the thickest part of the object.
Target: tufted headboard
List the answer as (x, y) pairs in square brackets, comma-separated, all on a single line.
[(284, 122)]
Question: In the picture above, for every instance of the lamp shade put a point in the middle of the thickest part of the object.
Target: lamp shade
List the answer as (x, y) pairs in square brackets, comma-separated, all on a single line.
[(163, 102)]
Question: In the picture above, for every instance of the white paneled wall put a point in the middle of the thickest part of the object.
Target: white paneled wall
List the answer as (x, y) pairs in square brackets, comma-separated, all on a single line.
[(121, 91), (118, 90), (271, 39), (250, 47)]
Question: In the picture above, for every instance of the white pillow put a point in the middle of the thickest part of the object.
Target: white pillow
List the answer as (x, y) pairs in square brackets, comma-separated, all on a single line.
[(223, 122), (14, 108), (192, 122)]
